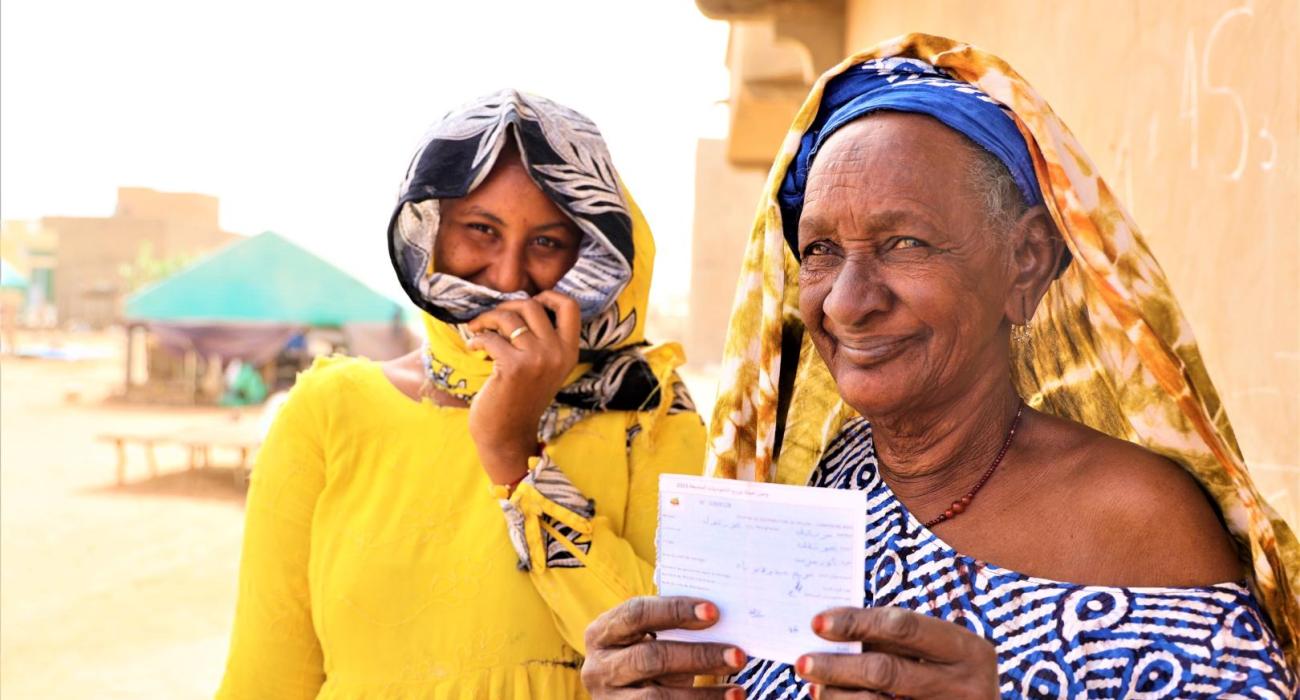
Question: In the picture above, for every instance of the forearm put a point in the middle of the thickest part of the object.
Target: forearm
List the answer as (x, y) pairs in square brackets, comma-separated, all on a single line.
[(579, 564)]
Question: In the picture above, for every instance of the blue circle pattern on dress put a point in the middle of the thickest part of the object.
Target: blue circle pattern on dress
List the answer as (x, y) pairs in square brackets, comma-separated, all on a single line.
[(1054, 639)]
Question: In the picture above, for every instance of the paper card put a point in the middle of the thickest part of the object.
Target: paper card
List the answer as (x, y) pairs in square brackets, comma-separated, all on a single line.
[(770, 556)]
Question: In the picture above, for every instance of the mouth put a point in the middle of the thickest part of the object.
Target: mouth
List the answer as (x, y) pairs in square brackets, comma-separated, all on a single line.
[(875, 350)]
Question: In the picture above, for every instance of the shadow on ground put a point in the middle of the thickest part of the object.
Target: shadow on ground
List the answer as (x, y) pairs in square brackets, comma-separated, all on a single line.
[(204, 484)]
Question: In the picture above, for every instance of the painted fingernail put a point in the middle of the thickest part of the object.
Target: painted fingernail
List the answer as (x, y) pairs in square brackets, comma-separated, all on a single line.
[(803, 666), (707, 612), (735, 694), (734, 657), (815, 691), (821, 623)]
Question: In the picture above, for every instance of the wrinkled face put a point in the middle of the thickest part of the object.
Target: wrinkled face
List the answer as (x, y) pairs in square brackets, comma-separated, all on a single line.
[(507, 234), (902, 286)]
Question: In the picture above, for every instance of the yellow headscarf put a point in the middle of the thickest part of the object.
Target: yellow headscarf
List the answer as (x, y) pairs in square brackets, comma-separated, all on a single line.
[(1109, 346)]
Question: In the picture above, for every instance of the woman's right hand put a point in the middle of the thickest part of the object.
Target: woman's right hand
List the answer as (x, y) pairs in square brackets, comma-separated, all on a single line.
[(530, 361), (624, 660)]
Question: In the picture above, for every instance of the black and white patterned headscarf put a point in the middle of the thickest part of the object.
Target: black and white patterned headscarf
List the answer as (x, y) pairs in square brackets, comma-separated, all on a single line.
[(564, 154)]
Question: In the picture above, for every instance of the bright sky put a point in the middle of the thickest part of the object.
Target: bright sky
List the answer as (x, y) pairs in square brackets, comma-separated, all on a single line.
[(302, 119)]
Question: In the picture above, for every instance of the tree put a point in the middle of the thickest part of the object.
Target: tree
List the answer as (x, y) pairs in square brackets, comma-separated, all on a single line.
[(148, 268)]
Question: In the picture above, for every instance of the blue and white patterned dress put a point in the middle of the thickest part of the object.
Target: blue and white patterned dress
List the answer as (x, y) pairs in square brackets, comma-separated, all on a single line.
[(1054, 640)]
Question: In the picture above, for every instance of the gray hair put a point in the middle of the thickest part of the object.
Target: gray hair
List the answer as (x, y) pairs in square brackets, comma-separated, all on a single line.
[(1001, 199), (996, 190)]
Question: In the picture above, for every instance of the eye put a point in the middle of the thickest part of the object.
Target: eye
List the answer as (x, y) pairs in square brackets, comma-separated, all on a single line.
[(907, 242), (817, 248), (548, 242), (481, 228)]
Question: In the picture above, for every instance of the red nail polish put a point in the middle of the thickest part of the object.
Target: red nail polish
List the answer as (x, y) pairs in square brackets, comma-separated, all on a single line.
[(735, 658), (735, 694), (708, 612), (803, 665), (815, 691), (820, 623)]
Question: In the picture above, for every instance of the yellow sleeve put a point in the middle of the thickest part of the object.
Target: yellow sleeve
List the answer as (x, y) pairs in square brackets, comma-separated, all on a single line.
[(274, 652), (577, 562)]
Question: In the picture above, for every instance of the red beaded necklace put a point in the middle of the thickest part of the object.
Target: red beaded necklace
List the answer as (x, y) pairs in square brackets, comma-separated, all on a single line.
[(961, 504)]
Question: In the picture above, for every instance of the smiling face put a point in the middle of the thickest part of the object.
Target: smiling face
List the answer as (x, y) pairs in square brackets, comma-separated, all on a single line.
[(904, 290), (506, 235)]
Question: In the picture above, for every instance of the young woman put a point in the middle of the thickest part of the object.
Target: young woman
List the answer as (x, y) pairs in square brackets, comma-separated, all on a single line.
[(447, 524)]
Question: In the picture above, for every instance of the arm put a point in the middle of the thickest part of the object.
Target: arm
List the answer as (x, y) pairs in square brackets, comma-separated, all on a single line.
[(274, 652), (578, 563)]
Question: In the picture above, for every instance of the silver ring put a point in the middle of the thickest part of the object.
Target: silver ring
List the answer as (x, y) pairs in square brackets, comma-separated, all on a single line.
[(519, 331)]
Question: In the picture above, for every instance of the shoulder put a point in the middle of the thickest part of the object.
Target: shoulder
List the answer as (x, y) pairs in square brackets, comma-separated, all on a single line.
[(330, 374), (1151, 518), (673, 423), (332, 384), (334, 400), (853, 436), (664, 362)]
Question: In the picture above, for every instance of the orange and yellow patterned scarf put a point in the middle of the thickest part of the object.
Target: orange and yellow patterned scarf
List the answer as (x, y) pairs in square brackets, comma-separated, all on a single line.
[(1109, 348)]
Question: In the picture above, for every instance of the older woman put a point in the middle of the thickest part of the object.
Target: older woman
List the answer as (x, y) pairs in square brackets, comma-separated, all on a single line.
[(1016, 392), (447, 524)]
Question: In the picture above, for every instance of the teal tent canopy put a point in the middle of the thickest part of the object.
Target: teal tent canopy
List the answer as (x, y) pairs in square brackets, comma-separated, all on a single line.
[(263, 279), (10, 277)]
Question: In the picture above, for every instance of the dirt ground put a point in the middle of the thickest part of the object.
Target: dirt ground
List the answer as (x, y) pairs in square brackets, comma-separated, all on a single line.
[(107, 591)]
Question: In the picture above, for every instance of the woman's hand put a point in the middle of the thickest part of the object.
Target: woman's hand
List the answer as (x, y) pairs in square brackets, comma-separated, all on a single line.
[(527, 371), (625, 661), (905, 654)]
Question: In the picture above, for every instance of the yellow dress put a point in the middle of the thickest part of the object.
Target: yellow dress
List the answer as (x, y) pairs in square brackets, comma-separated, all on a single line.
[(376, 558)]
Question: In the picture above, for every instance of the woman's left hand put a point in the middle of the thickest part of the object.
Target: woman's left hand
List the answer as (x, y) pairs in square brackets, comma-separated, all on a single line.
[(527, 372), (905, 654)]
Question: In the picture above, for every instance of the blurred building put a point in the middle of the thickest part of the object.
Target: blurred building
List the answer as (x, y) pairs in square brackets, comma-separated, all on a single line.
[(1184, 121), (725, 199), (77, 264), (30, 250)]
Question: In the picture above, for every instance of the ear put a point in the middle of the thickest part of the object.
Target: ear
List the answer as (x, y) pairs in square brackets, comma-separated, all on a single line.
[(1036, 250)]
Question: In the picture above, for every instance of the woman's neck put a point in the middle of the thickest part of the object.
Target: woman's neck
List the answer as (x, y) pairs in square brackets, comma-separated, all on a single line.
[(407, 374), (930, 457)]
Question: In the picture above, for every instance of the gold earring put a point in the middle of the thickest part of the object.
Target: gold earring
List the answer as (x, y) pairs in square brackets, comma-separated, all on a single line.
[(1020, 333)]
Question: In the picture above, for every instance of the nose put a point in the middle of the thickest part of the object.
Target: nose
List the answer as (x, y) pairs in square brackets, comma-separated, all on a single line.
[(857, 292), (508, 272)]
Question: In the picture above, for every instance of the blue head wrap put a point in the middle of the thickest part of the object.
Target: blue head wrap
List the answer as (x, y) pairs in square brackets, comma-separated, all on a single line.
[(906, 85)]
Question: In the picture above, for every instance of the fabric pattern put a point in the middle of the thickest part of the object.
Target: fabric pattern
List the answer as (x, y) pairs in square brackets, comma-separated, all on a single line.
[(1109, 346), (560, 520), (548, 510), (566, 157), (1054, 640)]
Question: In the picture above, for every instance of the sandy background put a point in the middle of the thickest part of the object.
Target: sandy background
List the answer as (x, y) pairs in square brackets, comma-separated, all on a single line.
[(107, 591)]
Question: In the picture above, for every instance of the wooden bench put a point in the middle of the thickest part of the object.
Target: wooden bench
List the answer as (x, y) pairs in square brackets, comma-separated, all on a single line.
[(121, 440), (242, 437)]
